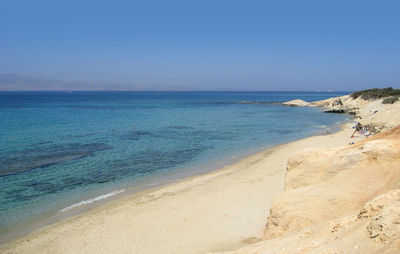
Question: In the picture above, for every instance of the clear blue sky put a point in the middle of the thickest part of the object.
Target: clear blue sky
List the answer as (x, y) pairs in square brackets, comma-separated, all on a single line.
[(246, 45)]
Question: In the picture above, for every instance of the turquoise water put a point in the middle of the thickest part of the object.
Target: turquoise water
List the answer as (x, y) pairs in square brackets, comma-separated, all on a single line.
[(63, 150)]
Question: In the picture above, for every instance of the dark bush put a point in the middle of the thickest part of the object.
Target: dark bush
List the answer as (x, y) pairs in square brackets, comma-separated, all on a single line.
[(376, 93), (390, 100)]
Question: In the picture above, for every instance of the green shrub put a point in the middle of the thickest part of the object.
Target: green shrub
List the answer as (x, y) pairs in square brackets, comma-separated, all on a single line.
[(390, 100), (376, 93)]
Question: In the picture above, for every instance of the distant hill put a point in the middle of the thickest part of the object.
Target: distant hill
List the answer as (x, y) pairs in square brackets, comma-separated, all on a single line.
[(15, 82)]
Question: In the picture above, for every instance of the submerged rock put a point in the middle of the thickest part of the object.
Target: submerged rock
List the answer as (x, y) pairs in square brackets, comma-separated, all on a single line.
[(337, 111)]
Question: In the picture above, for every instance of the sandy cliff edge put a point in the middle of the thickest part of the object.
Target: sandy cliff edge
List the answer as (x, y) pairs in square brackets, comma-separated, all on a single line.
[(343, 199)]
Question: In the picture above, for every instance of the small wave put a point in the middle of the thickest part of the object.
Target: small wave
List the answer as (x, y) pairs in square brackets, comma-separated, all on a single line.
[(89, 201)]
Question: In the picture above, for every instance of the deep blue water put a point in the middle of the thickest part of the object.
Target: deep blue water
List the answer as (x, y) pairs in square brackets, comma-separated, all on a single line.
[(59, 148)]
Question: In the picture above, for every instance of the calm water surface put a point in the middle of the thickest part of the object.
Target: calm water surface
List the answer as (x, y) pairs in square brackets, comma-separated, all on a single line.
[(58, 149)]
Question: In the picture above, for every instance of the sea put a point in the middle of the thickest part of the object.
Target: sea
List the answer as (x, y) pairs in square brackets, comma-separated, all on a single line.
[(64, 152)]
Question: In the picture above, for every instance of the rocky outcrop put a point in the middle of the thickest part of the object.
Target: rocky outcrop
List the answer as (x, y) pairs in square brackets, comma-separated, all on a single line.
[(372, 112), (333, 103), (311, 166), (385, 226), (296, 103), (325, 185), (366, 112), (374, 229), (338, 200), (374, 206)]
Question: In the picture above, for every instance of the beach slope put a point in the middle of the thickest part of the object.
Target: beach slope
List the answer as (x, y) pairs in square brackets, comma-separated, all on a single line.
[(222, 210)]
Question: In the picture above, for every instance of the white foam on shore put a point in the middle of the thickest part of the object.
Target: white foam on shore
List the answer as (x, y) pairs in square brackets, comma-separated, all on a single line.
[(89, 201)]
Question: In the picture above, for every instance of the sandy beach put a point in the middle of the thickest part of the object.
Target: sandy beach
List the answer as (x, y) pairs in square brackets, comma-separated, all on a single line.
[(221, 210), (300, 183), (200, 127)]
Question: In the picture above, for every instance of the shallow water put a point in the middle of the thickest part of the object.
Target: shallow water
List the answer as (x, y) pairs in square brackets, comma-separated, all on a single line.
[(61, 150)]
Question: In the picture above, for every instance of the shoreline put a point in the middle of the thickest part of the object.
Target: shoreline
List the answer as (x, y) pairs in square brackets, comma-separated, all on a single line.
[(146, 185), (200, 181)]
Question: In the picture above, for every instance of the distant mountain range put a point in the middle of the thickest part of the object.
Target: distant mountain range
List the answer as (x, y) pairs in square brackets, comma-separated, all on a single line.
[(15, 82)]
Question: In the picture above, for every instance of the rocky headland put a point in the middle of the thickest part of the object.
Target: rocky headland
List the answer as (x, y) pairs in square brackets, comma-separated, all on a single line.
[(343, 199)]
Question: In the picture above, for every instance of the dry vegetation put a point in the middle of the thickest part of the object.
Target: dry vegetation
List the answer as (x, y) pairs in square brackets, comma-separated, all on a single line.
[(391, 95)]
